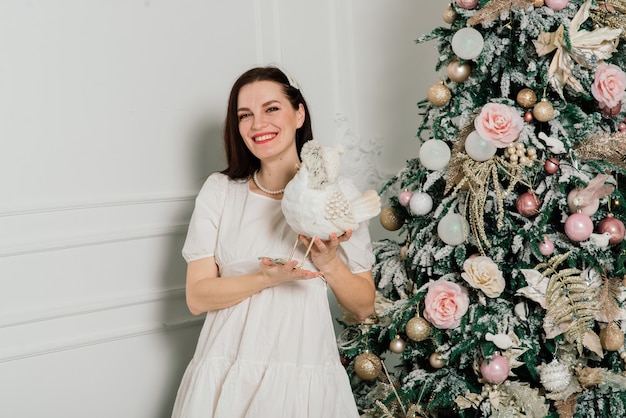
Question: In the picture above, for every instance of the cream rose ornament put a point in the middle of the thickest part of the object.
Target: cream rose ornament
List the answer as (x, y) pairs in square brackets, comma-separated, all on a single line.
[(483, 274), (498, 123), (609, 85), (445, 304)]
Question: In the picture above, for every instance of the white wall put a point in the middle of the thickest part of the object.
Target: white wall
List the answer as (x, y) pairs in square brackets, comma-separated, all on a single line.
[(110, 119)]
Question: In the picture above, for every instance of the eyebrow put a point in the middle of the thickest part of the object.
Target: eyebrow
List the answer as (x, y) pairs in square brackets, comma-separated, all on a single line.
[(269, 102)]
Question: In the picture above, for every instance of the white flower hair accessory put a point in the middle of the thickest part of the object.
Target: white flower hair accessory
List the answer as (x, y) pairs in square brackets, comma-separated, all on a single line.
[(290, 79)]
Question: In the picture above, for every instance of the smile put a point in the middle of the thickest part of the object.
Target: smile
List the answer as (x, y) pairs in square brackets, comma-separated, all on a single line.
[(264, 137)]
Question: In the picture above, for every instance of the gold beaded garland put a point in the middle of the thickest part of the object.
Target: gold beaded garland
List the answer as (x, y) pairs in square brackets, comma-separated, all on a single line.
[(517, 153), (367, 366), (439, 94), (526, 98), (417, 329), (543, 111)]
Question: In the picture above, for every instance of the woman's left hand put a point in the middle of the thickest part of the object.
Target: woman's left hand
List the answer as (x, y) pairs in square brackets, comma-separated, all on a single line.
[(324, 253)]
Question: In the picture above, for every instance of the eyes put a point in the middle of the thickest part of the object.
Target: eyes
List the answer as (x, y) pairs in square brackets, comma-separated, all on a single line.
[(245, 115)]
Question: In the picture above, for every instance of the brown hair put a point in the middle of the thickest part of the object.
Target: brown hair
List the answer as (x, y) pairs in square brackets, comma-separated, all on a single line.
[(241, 162)]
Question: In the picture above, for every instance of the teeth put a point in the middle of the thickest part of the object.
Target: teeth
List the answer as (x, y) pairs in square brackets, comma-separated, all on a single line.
[(264, 137)]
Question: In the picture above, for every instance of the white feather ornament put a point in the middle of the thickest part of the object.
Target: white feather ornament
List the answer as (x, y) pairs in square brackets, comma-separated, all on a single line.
[(555, 376), (317, 202)]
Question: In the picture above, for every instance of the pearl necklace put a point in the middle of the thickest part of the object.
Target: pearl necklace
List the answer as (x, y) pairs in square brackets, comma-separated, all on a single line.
[(263, 189)]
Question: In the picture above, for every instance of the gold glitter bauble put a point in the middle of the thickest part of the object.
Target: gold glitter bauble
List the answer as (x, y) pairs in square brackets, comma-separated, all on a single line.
[(367, 366), (389, 219), (417, 329), (439, 94), (526, 98), (458, 72), (397, 345), (543, 111), (538, 3), (449, 15), (436, 360), (611, 337)]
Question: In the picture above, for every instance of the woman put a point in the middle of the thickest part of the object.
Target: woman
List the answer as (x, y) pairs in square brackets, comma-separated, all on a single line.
[(267, 347)]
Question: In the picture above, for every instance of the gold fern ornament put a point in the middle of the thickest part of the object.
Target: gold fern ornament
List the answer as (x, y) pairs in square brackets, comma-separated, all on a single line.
[(570, 297), (572, 304)]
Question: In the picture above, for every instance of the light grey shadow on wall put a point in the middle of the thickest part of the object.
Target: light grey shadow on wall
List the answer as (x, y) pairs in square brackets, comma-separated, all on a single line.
[(206, 156)]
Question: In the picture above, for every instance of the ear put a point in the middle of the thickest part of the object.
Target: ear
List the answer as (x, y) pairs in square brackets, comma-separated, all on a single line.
[(300, 116)]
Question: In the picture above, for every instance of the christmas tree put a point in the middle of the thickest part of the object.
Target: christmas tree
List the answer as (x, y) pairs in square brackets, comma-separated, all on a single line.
[(503, 295)]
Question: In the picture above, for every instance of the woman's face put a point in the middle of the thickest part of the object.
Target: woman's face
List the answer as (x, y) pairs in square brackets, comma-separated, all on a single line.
[(267, 121)]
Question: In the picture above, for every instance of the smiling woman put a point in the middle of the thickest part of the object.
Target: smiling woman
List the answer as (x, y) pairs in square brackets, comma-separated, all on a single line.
[(267, 347)]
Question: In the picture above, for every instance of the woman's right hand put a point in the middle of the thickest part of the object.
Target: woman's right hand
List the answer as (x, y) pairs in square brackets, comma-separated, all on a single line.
[(278, 273)]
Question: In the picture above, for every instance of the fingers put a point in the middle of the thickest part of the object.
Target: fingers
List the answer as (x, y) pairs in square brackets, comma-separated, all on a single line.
[(333, 240), (286, 271), (345, 236)]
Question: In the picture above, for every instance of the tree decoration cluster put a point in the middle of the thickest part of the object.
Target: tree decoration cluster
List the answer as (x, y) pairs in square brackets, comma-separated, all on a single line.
[(504, 295)]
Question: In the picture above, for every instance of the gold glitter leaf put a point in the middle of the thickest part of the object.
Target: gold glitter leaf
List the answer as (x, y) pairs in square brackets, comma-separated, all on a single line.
[(609, 147), (610, 13), (494, 9), (571, 304), (454, 174), (607, 299)]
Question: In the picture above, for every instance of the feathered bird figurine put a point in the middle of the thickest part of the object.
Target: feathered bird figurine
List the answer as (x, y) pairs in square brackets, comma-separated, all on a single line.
[(315, 204)]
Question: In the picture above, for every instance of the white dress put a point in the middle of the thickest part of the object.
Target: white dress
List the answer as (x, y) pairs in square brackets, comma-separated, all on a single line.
[(273, 355)]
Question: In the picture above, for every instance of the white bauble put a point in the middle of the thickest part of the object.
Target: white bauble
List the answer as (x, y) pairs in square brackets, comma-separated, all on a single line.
[(451, 229), (421, 203), (434, 154), (467, 43), (478, 148)]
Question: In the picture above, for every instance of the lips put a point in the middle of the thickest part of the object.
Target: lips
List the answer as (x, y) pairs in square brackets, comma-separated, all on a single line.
[(264, 137)]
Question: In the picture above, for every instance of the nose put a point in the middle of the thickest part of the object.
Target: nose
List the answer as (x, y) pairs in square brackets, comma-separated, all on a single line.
[(258, 122)]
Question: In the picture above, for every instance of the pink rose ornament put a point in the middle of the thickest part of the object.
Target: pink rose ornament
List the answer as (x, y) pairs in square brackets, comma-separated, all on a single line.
[(498, 123), (445, 304), (467, 4), (609, 85)]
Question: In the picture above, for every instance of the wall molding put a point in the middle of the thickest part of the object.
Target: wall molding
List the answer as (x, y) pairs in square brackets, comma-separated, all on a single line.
[(95, 239), (98, 203), (103, 338), (89, 339), (89, 308)]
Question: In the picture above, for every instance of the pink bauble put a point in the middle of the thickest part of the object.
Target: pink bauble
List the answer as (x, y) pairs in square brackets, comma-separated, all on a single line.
[(467, 4), (546, 247), (556, 4), (527, 204), (551, 165), (621, 126), (404, 198), (614, 227), (528, 116), (496, 371), (578, 226), (611, 112)]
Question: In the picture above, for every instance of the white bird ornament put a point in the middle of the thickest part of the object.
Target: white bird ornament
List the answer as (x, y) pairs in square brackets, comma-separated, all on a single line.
[(315, 203)]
